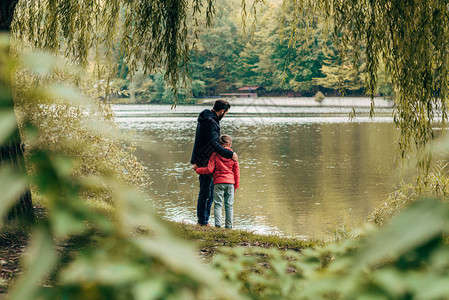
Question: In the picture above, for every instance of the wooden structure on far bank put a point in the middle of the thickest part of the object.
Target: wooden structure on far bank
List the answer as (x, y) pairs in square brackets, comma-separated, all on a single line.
[(246, 92)]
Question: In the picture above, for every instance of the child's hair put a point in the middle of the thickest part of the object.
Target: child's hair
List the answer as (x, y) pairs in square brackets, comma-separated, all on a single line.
[(225, 139)]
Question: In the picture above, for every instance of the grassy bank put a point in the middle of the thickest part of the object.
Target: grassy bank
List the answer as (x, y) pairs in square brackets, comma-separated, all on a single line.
[(209, 239)]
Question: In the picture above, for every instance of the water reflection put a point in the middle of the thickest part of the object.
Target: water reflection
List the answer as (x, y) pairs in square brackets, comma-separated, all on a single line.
[(301, 172)]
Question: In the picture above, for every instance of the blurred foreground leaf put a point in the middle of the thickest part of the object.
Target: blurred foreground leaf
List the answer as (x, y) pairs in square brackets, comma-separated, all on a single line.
[(40, 62), (11, 187), (8, 124), (40, 259), (421, 222)]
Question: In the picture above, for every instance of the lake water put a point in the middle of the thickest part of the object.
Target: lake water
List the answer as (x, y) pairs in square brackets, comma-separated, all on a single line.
[(304, 170)]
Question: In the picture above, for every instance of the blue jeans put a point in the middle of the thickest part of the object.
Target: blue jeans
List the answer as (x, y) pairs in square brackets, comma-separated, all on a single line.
[(205, 198), (224, 192)]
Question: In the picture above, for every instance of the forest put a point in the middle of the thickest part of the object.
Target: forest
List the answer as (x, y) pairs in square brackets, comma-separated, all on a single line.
[(236, 52)]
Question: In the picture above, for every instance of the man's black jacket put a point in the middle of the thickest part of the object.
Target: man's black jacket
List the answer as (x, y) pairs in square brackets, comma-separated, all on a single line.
[(206, 139)]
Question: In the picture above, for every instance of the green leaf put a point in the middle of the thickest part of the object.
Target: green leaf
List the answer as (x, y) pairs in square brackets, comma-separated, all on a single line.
[(40, 62), (65, 222), (39, 261), (421, 222), (323, 285), (8, 124), (67, 93), (12, 186), (63, 165), (151, 289), (100, 270), (391, 281), (432, 286)]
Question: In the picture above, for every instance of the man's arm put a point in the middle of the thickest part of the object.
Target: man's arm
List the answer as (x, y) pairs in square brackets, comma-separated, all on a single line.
[(219, 149)]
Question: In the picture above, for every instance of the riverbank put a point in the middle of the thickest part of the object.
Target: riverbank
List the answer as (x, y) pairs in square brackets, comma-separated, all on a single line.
[(379, 102), (209, 239), (206, 240)]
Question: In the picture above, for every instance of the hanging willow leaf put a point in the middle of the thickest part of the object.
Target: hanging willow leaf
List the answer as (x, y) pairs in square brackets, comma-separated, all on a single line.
[(411, 38), (151, 33)]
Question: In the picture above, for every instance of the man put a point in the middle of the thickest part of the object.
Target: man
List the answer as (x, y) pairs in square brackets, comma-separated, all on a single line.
[(206, 143)]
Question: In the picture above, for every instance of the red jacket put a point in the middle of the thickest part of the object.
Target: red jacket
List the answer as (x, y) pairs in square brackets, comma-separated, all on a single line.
[(224, 170)]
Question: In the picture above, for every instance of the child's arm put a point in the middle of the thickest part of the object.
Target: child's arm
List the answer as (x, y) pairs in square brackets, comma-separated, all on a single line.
[(210, 166), (236, 171)]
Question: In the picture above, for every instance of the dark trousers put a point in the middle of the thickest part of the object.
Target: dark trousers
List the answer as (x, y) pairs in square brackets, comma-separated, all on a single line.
[(205, 198)]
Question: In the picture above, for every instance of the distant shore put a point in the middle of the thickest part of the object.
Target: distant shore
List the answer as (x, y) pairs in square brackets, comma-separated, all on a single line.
[(307, 101), (379, 102)]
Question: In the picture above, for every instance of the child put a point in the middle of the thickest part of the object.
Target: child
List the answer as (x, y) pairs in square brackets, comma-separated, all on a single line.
[(226, 176)]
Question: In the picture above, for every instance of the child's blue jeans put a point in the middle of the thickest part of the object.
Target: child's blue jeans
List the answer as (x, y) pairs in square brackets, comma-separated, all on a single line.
[(223, 193)]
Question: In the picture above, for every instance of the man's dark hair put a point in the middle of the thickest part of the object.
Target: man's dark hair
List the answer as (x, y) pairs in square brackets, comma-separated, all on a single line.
[(221, 104)]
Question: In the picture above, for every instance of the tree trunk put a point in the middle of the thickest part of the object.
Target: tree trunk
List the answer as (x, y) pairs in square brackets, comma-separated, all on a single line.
[(6, 14), (11, 152)]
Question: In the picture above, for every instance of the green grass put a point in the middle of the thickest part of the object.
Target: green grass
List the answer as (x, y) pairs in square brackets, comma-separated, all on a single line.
[(210, 239)]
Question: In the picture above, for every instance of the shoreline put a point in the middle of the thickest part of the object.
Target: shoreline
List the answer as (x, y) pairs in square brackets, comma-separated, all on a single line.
[(207, 241), (361, 102), (379, 102)]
